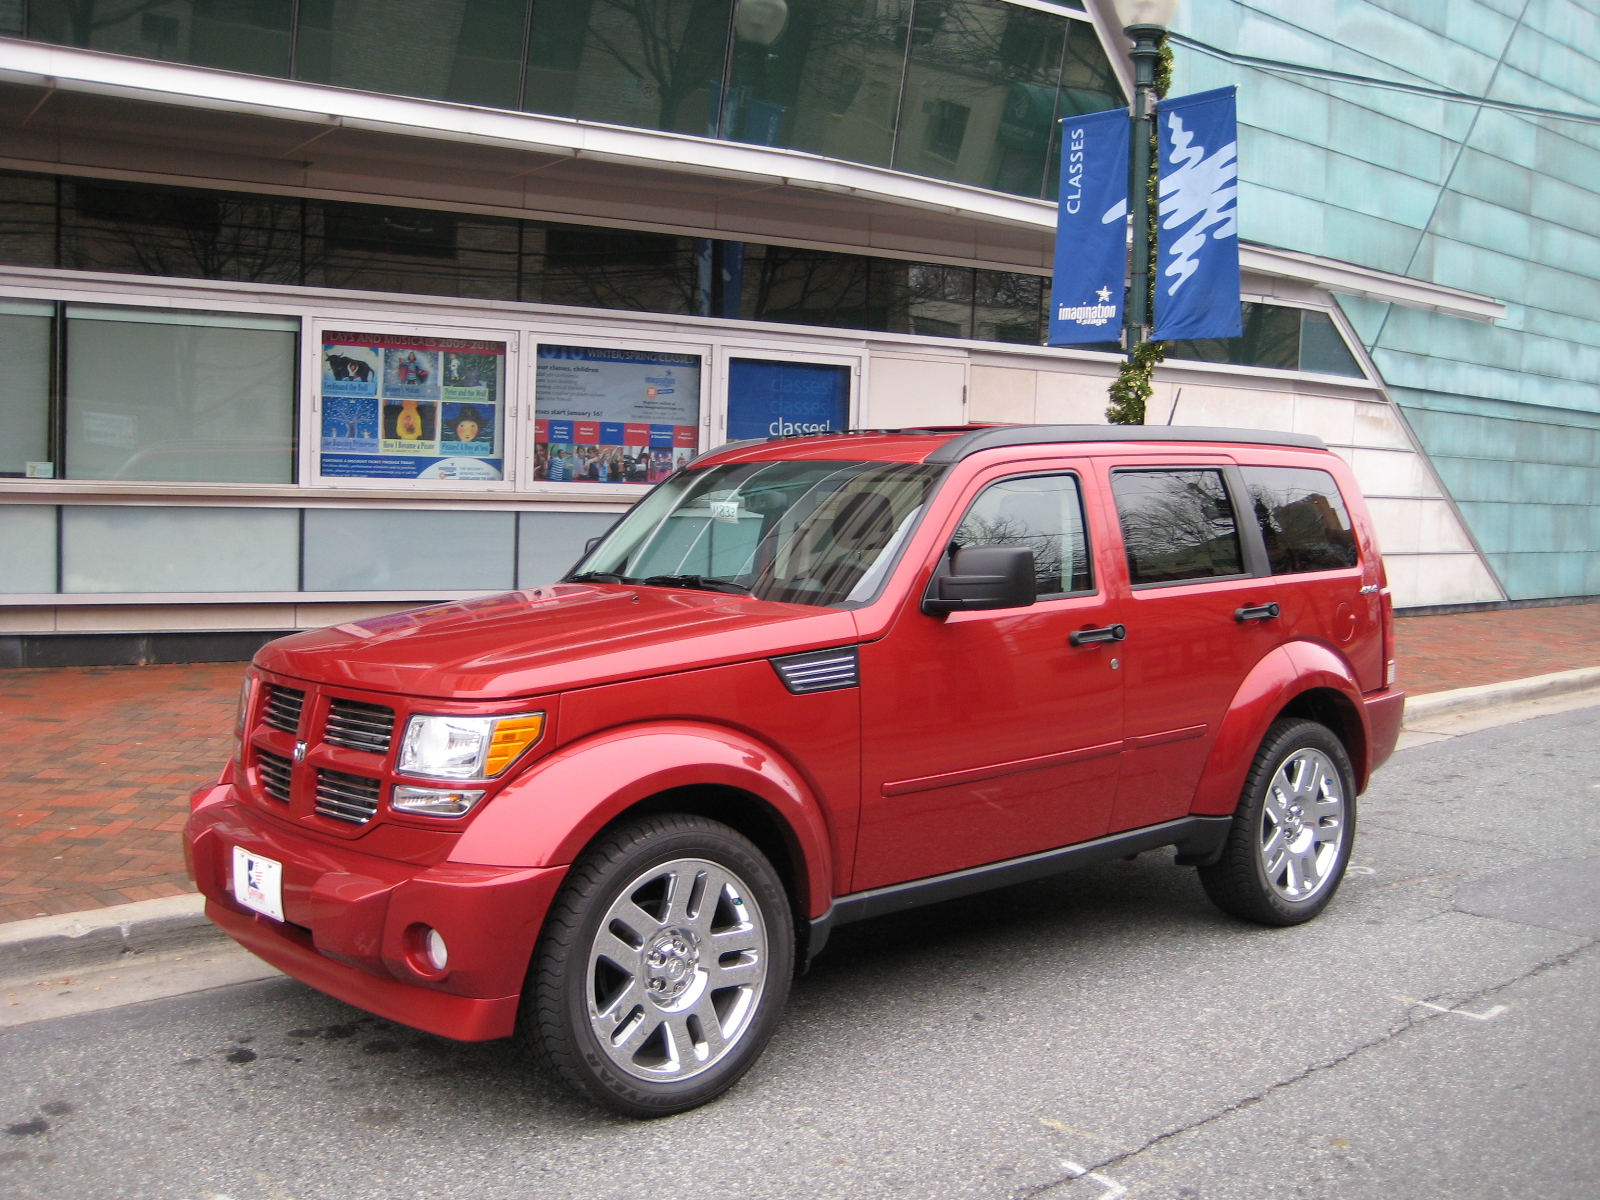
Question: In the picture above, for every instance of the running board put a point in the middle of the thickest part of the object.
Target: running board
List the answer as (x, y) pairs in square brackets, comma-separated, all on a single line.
[(1198, 839)]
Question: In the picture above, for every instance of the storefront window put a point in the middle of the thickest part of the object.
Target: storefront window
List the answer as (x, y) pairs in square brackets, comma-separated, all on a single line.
[(1277, 337), (464, 50), (25, 348), (614, 416), (609, 268), (159, 394), (235, 35), (649, 63), (189, 232), (402, 406), (383, 248), (817, 75)]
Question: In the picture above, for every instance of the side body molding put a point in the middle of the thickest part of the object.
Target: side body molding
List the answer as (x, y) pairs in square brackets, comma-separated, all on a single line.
[(546, 817), (1277, 679)]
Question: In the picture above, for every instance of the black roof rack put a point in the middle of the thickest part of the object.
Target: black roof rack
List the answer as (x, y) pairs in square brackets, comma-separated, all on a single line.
[(967, 444)]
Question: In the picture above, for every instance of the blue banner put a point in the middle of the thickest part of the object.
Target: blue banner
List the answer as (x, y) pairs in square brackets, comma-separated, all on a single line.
[(1091, 277), (1197, 244)]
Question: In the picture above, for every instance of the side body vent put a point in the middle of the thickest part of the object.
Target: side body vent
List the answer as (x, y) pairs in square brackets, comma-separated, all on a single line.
[(283, 707), (359, 726), (274, 770), (819, 670), (352, 798)]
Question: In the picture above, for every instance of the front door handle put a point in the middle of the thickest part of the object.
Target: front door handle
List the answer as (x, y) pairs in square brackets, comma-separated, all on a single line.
[(1109, 633), (1259, 612)]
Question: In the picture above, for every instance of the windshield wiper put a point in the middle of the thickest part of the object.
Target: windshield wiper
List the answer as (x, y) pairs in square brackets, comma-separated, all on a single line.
[(694, 581), (597, 577)]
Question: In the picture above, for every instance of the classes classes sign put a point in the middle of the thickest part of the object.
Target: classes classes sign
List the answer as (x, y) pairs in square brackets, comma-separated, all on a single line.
[(614, 416), (398, 406)]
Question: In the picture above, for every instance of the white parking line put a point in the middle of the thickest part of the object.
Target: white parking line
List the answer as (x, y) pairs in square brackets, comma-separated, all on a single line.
[(1113, 1189), (1483, 1016)]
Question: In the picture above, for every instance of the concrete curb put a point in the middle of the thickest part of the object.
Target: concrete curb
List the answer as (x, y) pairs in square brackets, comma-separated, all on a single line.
[(74, 942), (1492, 695)]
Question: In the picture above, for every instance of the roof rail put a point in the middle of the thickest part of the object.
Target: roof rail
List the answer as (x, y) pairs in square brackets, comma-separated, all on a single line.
[(995, 436)]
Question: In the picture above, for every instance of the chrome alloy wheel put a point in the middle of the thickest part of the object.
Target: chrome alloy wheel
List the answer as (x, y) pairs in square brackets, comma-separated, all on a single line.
[(1302, 825), (676, 970)]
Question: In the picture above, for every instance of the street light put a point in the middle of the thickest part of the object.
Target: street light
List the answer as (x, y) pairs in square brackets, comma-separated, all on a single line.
[(1145, 21)]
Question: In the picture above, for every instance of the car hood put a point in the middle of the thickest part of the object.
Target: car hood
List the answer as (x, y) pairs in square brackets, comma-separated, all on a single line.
[(550, 639)]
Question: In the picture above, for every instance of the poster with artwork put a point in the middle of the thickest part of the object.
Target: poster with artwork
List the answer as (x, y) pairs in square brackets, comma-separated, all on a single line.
[(614, 416), (400, 406)]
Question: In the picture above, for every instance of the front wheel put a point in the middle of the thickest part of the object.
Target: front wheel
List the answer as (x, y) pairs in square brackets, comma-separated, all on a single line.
[(663, 968), (1292, 832)]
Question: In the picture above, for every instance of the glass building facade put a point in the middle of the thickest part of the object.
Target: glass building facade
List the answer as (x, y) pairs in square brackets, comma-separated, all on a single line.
[(1501, 201), (964, 90)]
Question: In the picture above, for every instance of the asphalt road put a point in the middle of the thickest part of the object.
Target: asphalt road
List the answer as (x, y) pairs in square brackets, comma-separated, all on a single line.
[(1436, 1033)]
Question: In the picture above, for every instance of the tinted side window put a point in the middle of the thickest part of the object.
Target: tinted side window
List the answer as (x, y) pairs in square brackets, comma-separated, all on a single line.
[(1303, 519), (1042, 512), (1177, 523)]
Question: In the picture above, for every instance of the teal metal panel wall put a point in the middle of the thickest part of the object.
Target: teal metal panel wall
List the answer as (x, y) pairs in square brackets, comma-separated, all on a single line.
[(1502, 203)]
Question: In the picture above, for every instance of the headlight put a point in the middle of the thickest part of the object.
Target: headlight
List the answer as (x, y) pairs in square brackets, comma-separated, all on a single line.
[(245, 689), (444, 747)]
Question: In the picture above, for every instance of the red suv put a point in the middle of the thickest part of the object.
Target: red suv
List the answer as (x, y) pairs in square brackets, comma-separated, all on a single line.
[(806, 681)]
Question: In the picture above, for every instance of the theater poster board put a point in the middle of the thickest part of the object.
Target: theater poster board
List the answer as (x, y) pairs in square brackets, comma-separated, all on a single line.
[(609, 416), (408, 407)]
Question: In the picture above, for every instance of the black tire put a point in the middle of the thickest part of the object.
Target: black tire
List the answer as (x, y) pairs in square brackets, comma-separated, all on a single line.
[(1243, 882), (575, 984)]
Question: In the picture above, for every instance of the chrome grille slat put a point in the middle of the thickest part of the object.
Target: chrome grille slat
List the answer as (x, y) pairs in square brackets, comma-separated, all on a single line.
[(359, 726), (819, 670), (283, 706), (352, 798), (274, 771)]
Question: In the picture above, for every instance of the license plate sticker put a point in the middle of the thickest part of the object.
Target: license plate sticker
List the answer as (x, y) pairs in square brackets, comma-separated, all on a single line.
[(258, 883)]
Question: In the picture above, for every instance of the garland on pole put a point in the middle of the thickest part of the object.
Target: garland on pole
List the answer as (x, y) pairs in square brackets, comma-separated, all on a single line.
[(1132, 388)]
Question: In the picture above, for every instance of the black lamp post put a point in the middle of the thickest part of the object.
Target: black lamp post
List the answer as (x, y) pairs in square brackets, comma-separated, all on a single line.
[(1145, 21)]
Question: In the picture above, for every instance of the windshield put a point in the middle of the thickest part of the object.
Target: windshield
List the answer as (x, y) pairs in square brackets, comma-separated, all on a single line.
[(822, 533)]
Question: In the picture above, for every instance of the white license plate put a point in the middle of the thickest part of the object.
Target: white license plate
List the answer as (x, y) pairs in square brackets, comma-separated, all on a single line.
[(258, 883)]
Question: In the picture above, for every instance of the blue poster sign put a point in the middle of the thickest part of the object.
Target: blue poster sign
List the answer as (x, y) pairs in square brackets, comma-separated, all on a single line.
[(1091, 276), (1197, 244), (781, 399)]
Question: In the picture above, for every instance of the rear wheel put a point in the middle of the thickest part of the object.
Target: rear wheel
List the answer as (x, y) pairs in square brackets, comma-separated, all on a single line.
[(663, 968), (1292, 832)]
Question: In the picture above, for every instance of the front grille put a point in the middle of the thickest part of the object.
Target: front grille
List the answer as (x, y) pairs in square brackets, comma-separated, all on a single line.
[(283, 708), (274, 770), (819, 671), (359, 726), (352, 798)]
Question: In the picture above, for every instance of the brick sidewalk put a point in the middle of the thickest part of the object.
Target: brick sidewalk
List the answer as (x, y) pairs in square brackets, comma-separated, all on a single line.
[(98, 762)]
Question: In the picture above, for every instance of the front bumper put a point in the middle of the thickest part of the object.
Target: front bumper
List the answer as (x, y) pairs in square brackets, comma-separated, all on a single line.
[(351, 921)]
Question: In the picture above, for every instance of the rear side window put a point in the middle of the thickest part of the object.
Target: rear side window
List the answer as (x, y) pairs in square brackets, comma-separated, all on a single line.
[(1043, 513), (1177, 524), (1303, 519)]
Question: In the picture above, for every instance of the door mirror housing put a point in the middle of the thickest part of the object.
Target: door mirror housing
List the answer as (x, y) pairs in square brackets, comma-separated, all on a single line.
[(982, 577)]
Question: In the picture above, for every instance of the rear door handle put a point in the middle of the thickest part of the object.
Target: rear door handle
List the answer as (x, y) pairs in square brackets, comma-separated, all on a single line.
[(1108, 633), (1260, 612)]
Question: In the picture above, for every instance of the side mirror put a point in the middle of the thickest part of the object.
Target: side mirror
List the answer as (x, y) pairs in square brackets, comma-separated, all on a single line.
[(983, 577), (588, 547)]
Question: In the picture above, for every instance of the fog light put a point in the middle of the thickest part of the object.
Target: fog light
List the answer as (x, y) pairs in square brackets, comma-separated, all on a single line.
[(434, 802), (434, 949)]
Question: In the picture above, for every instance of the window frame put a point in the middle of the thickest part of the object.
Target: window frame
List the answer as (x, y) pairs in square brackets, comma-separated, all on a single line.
[(1077, 475)]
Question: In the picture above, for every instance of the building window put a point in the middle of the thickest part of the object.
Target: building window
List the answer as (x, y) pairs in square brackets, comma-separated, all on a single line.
[(160, 394), (201, 234), (27, 343), (1278, 337), (968, 90)]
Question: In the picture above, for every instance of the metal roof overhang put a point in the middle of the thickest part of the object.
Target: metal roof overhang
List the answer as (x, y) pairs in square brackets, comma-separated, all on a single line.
[(89, 112)]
